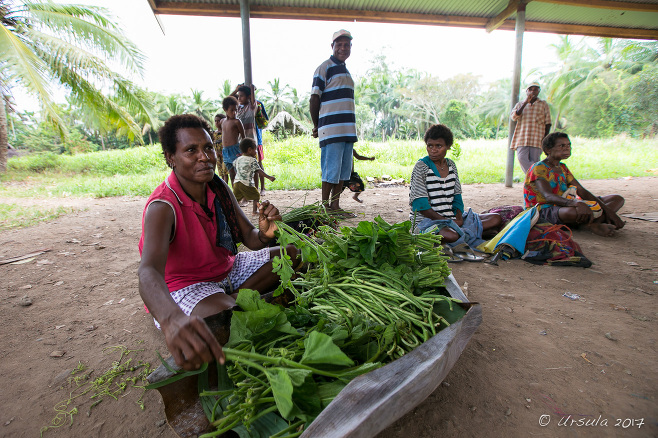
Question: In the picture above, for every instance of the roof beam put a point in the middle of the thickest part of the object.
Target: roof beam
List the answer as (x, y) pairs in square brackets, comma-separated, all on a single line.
[(155, 15), (606, 4), (495, 22), (326, 14), (596, 31)]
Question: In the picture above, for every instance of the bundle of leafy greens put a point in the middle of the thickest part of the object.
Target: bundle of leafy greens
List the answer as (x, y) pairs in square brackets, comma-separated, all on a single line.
[(371, 295), (316, 212)]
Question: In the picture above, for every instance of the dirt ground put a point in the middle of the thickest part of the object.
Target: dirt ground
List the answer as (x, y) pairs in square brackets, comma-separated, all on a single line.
[(536, 354)]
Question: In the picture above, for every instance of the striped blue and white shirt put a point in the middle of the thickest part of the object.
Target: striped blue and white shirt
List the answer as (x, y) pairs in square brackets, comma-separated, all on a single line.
[(335, 87), (436, 192)]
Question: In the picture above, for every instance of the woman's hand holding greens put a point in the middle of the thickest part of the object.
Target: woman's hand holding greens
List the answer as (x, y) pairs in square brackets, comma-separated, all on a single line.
[(268, 214)]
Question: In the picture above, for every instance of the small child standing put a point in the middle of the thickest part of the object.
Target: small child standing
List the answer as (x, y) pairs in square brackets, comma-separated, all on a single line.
[(355, 183), (217, 143), (246, 166), (232, 131)]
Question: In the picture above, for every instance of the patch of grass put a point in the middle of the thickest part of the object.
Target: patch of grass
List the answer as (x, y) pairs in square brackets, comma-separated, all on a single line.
[(296, 164), (133, 161), (16, 216)]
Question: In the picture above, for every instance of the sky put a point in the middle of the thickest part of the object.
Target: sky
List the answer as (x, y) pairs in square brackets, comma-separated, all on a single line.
[(201, 52)]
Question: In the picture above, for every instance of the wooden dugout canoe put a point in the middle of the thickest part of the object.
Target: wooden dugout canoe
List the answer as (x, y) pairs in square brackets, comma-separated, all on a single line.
[(368, 404)]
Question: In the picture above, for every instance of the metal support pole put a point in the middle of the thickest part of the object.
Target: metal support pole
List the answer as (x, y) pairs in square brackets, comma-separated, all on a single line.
[(516, 85), (246, 40)]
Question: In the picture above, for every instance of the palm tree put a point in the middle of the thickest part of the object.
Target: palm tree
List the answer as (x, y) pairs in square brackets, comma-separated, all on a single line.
[(172, 105), (277, 99), (382, 91), (43, 42), (299, 106), (201, 107), (226, 90), (496, 106), (425, 97), (634, 55), (579, 64)]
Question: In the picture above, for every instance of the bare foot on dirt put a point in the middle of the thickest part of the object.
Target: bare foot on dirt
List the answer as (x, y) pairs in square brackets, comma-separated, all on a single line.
[(243, 203), (356, 198), (605, 230)]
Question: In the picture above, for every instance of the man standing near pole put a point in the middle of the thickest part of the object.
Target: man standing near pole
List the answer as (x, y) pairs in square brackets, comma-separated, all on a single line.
[(333, 113), (533, 123)]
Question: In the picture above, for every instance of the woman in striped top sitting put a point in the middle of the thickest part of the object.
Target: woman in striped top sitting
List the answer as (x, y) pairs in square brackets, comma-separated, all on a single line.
[(436, 196)]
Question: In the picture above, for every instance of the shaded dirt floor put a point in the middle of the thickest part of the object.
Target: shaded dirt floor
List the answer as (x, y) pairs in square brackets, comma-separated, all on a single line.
[(537, 356)]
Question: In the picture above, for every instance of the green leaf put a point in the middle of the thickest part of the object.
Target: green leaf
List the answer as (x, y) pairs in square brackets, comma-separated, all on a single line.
[(328, 391), (177, 377), (389, 335), (259, 324), (349, 263), (321, 350), (449, 310), (248, 299), (263, 427), (361, 369), (309, 254), (207, 402), (224, 382), (259, 320), (365, 228), (306, 399), (283, 381)]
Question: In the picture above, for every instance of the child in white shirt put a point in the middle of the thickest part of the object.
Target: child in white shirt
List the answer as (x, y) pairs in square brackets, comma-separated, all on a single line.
[(246, 166)]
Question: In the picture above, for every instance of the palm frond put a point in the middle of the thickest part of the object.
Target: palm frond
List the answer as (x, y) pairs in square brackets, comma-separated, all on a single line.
[(89, 26), (136, 101), (88, 95), (60, 54), (22, 64)]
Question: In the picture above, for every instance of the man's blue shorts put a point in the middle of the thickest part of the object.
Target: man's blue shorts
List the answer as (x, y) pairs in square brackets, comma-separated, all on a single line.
[(230, 154), (336, 162)]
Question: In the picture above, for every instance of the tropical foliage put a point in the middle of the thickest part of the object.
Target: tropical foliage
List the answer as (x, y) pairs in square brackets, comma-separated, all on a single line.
[(43, 44), (597, 88)]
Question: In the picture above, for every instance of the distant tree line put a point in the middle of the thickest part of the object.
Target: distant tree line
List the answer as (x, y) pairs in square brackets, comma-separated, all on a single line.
[(596, 88)]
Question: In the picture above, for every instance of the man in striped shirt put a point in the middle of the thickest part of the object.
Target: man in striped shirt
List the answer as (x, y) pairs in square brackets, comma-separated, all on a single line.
[(333, 113)]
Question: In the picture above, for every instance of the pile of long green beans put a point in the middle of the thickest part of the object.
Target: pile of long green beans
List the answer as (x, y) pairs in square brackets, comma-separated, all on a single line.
[(371, 294), (376, 269), (413, 318)]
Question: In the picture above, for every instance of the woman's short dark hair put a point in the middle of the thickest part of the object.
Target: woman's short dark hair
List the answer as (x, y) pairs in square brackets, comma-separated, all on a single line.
[(169, 132), (228, 102), (245, 89), (548, 142), (439, 131)]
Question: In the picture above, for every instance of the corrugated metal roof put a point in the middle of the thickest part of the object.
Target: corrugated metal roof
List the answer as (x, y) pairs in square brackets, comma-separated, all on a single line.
[(597, 18), (445, 7), (552, 13)]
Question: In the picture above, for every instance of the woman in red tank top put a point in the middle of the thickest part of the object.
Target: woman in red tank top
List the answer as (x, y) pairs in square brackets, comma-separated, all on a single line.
[(191, 225)]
